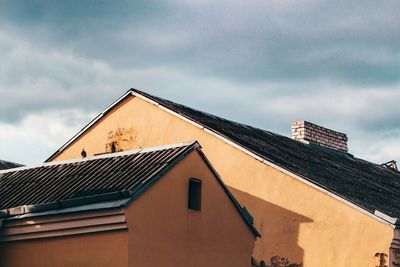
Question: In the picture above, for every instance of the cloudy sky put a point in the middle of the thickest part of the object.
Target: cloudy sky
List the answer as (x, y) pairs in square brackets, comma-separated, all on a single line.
[(264, 63)]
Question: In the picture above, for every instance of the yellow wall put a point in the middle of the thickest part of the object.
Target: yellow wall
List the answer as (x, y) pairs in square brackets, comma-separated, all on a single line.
[(89, 250), (296, 220), (164, 232)]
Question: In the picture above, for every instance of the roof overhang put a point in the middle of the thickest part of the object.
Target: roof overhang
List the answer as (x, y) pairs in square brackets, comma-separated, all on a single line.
[(84, 219)]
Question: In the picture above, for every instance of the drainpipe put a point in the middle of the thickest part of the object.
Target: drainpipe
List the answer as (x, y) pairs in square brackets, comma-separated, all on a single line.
[(394, 253), (394, 250)]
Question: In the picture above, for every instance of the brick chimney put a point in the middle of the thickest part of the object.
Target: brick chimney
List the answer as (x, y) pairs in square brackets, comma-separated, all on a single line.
[(314, 134)]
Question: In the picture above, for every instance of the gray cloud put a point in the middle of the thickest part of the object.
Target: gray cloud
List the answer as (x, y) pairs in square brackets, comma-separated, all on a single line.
[(265, 63), (356, 41)]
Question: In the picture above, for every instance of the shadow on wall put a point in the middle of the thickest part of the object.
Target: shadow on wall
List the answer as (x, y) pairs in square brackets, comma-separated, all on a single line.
[(278, 246)]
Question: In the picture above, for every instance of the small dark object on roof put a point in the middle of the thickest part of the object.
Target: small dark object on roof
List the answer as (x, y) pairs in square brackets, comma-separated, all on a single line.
[(4, 165), (391, 165)]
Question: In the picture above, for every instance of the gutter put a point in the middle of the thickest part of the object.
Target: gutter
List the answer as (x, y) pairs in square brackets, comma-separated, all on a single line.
[(21, 210), (392, 220)]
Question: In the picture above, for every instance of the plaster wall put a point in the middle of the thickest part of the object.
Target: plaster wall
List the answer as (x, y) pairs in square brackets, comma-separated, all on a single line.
[(89, 250), (164, 232)]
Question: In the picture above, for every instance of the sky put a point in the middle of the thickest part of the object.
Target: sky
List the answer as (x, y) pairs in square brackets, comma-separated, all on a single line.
[(264, 63)]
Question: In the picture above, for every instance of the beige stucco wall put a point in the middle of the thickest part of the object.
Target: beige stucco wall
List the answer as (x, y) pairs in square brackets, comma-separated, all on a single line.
[(296, 220), (164, 232), (89, 250)]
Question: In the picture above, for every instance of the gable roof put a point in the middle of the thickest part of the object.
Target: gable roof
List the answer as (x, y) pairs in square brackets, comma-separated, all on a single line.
[(4, 165), (124, 175), (359, 183)]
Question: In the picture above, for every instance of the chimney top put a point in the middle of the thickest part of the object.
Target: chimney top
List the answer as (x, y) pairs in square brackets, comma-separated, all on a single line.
[(314, 134)]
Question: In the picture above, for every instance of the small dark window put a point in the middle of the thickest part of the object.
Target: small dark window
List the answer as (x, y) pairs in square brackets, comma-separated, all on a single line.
[(194, 200)]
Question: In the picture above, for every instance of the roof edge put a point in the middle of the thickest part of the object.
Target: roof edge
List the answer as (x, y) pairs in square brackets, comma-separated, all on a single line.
[(90, 124), (109, 204), (390, 219), (246, 215), (63, 204), (108, 155)]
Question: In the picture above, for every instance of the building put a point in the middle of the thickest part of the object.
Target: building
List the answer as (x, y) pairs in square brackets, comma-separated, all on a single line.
[(8, 165), (313, 202), (162, 206)]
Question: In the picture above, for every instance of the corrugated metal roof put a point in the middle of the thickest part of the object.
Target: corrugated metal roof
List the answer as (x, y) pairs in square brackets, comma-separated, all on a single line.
[(118, 176), (110, 176)]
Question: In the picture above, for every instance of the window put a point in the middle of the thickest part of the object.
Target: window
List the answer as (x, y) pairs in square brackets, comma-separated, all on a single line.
[(194, 199)]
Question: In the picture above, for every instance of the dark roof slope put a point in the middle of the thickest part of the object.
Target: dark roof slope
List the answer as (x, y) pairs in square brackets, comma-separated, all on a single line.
[(8, 165), (363, 183), (54, 182), (98, 179)]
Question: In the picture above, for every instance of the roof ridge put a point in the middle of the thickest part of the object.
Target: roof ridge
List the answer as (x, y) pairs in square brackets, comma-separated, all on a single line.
[(319, 147), (103, 156), (204, 112)]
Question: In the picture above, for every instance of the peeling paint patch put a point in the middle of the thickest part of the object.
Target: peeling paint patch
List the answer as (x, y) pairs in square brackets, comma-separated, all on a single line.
[(121, 139)]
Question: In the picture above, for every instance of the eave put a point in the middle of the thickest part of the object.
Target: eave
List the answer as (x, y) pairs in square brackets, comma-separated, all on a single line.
[(85, 219)]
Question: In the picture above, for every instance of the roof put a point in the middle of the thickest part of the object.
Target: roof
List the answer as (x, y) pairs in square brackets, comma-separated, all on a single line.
[(364, 183), (8, 165), (123, 175), (357, 182)]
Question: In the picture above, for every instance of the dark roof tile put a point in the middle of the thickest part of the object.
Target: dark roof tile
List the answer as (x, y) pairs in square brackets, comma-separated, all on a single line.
[(363, 183)]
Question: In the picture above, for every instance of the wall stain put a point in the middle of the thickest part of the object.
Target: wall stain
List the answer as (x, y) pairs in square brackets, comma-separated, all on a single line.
[(122, 138), (381, 259)]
